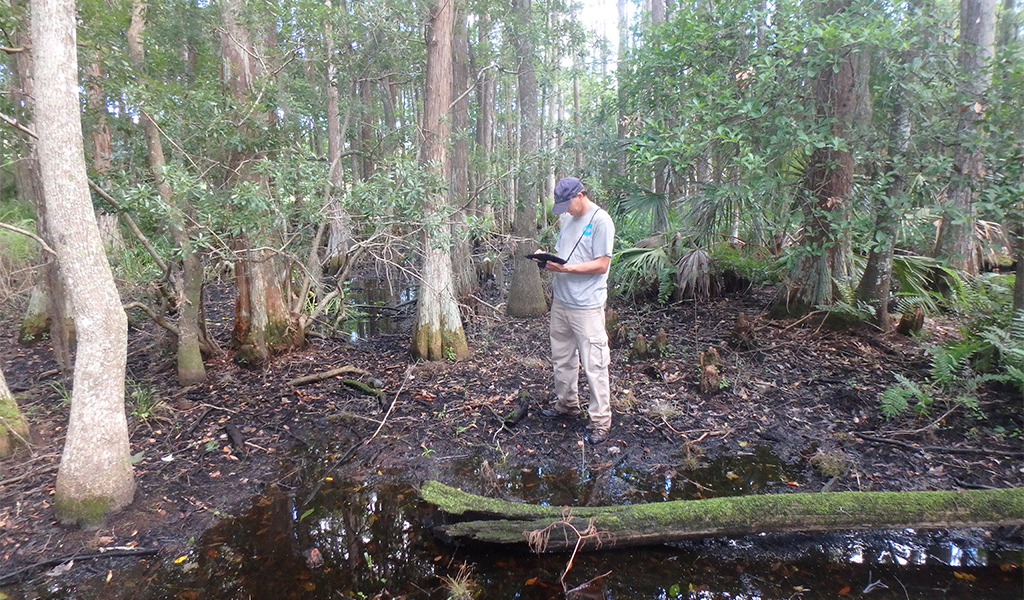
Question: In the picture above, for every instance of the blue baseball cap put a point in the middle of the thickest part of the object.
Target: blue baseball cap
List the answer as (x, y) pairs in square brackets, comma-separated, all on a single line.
[(566, 189)]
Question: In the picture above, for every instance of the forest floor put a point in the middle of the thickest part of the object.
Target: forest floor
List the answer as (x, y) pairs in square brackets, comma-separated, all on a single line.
[(804, 392)]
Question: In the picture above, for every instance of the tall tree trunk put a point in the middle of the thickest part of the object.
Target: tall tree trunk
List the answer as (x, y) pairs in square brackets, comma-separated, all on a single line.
[(829, 182), (187, 276), (525, 294), (48, 309), (438, 333), (578, 148), (367, 140), (1008, 24), (620, 164), (462, 250), (263, 323), (95, 475), (1017, 235), (977, 44), (339, 223), (13, 426), (484, 120), (657, 12), (877, 278)]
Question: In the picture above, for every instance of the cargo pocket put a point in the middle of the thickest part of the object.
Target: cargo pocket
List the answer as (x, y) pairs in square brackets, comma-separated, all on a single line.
[(599, 354)]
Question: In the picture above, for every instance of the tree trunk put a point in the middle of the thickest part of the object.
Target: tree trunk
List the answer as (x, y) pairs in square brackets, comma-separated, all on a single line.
[(187, 276), (263, 323), (977, 44), (1017, 236), (95, 475), (438, 333), (48, 310), (525, 294), (620, 163), (462, 250), (547, 528), (102, 140), (829, 182), (340, 236), (13, 426), (484, 121), (877, 278)]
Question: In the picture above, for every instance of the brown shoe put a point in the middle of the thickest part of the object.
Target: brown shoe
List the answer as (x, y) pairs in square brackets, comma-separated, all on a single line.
[(554, 413), (597, 437)]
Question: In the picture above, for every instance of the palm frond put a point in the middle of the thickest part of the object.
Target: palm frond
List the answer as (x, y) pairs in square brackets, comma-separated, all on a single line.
[(695, 277)]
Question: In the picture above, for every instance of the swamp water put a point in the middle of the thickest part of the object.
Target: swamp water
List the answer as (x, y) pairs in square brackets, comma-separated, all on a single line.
[(361, 540)]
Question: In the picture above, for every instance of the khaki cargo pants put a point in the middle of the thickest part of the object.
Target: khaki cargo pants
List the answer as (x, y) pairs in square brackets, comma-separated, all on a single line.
[(578, 336)]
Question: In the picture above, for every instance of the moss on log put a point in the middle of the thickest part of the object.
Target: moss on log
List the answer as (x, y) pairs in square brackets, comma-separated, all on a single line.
[(501, 522)]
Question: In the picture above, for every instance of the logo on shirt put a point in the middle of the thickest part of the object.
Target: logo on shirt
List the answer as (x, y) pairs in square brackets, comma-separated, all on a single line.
[(589, 229)]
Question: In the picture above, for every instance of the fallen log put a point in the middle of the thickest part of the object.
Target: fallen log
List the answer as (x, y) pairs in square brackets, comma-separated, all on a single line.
[(553, 529)]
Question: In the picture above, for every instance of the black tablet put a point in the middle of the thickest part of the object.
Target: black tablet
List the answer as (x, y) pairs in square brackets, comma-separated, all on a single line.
[(545, 257)]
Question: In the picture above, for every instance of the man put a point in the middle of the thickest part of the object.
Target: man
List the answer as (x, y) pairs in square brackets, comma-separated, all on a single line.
[(577, 312)]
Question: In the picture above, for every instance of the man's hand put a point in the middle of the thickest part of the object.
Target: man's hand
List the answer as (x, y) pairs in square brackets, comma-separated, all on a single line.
[(592, 267)]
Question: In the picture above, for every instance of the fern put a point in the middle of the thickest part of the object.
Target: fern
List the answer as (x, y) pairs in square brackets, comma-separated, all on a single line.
[(1008, 345), (852, 311), (949, 363), (895, 399)]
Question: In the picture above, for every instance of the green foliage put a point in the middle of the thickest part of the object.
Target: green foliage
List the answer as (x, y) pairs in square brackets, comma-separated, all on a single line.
[(748, 265), (644, 272), (1007, 347), (958, 368), (950, 363), (896, 398), (143, 402)]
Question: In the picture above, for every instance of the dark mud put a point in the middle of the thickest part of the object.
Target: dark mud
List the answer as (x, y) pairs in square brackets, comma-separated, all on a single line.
[(805, 396)]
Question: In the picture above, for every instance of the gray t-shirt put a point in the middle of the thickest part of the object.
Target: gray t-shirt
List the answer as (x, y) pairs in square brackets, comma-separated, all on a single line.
[(596, 235)]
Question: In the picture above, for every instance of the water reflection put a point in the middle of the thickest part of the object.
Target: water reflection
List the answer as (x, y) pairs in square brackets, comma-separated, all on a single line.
[(355, 540), (757, 472), (375, 306)]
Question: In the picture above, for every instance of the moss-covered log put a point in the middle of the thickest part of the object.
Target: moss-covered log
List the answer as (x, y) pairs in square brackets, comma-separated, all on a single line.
[(502, 522)]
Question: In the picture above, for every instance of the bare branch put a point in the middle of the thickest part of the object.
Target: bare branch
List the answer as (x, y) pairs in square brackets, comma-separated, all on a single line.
[(15, 124), (39, 240), (130, 222)]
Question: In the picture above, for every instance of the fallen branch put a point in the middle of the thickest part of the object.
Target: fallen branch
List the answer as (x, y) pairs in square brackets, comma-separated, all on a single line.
[(21, 574), (384, 421), (325, 375), (8, 481), (943, 449)]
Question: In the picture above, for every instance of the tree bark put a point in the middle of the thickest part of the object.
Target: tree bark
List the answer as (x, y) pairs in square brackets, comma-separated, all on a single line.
[(977, 46), (48, 310), (339, 223), (525, 294), (263, 323), (481, 179), (13, 426), (462, 250), (1017, 235), (438, 333), (95, 475), (502, 522), (876, 281), (829, 183), (187, 275)]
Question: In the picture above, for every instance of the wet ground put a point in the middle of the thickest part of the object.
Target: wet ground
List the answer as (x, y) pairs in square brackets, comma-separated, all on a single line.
[(241, 479)]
